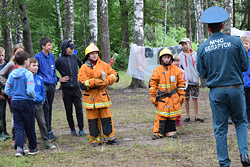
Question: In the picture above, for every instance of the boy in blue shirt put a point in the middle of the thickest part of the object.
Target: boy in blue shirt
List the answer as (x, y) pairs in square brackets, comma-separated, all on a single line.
[(47, 70), (39, 100), (20, 87)]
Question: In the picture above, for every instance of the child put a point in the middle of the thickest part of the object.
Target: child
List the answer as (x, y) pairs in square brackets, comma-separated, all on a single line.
[(246, 43), (47, 70), (39, 100), (3, 78), (20, 87), (167, 80), (3, 130), (176, 62), (95, 75), (188, 59), (67, 65)]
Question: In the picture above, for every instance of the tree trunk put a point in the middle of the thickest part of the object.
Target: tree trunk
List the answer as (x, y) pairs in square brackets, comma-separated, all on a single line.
[(199, 10), (138, 36), (59, 19), (6, 29), (83, 25), (105, 43), (93, 26), (69, 20), (229, 22), (165, 22), (18, 36), (187, 19), (248, 7), (26, 31), (124, 24)]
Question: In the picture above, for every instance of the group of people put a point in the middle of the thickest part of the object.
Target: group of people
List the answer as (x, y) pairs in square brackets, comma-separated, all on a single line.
[(29, 85), (222, 60)]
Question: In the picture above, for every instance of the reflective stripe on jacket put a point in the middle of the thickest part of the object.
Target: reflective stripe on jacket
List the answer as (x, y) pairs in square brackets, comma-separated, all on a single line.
[(166, 81), (96, 98)]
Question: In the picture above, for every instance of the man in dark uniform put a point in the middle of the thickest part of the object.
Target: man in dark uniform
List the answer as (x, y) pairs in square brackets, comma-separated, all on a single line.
[(221, 60)]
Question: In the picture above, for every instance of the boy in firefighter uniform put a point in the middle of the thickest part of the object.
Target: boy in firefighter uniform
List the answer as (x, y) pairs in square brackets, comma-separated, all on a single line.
[(167, 94), (94, 76)]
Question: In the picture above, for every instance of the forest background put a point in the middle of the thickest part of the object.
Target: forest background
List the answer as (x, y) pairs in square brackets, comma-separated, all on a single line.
[(111, 24)]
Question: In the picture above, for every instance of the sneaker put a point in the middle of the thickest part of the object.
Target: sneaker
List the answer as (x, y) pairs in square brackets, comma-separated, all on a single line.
[(33, 151), (38, 141), (173, 136), (2, 137), (19, 154), (199, 120), (52, 137), (113, 142), (48, 145), (95, 144), (81, 133), (73, 132), (179, 124), (25, 148), (155, 137), (187, 120), (6, 134)]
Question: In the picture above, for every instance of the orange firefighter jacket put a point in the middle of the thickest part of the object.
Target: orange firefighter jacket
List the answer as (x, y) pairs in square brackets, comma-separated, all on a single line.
[(166, 80), (95, 97)]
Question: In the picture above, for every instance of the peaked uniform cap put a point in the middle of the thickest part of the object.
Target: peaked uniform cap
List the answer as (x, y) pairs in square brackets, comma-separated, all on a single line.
[(214, 14)]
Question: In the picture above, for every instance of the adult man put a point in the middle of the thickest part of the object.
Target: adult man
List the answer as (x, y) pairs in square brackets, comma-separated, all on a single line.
[(221, 60)]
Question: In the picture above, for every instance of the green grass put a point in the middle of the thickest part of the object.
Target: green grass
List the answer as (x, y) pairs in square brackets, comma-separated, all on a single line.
[(133, 116)]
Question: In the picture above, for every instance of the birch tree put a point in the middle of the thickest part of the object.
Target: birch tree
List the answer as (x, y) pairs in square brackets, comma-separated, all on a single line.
[(6, 28), (69, 19), (138, 36), (59, 19), (188, 23), (200, 29), (105, 43), (83, 25), (27, 40), (93, 26), (229, 22), (124, 24), (18, 36), (165, 22)]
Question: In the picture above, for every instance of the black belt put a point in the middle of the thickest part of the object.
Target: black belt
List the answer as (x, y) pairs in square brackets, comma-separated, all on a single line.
[(228, 87), (162, 95)]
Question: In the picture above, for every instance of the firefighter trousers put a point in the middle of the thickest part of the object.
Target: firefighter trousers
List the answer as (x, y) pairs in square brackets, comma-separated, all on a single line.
[(164, 126), (100, 119)]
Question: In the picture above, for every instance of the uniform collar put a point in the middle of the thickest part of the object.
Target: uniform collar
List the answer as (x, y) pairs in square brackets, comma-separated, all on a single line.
[(216, 34)]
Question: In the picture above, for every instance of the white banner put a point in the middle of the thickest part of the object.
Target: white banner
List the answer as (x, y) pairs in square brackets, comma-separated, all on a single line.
[(240, 33)]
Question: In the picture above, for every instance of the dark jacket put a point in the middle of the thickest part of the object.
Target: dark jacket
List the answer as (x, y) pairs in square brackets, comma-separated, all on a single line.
[(67, 65)]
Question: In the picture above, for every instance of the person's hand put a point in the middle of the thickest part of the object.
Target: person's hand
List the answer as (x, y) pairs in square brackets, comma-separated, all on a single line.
[(153, 100), (105, 83), (182, 99), (2, 97), (98, 82), (64, 79)]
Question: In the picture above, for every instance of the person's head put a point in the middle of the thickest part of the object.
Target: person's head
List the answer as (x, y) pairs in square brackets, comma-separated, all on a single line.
[(176, 61), (22, 59), (215, 27), (92, 52), (214, 17), (246, 42), (68, 47), (46, 45), (33, 67), (185, 43), (165, 56), (17, 48), (2, 55)]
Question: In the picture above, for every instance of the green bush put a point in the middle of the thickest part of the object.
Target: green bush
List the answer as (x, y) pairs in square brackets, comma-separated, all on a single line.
[(121, 60)]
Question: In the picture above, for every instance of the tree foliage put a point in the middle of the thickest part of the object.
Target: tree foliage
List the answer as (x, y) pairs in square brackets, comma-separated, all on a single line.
[(43, 22)]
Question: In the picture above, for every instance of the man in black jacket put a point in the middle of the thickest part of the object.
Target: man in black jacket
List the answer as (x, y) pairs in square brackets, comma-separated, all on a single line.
[(67, 65)]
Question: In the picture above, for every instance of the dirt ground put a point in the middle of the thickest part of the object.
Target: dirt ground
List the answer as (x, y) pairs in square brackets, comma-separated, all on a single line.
[(133, 116)]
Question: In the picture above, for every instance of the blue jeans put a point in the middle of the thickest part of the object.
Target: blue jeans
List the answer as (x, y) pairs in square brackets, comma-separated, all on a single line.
[(223, 101)]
